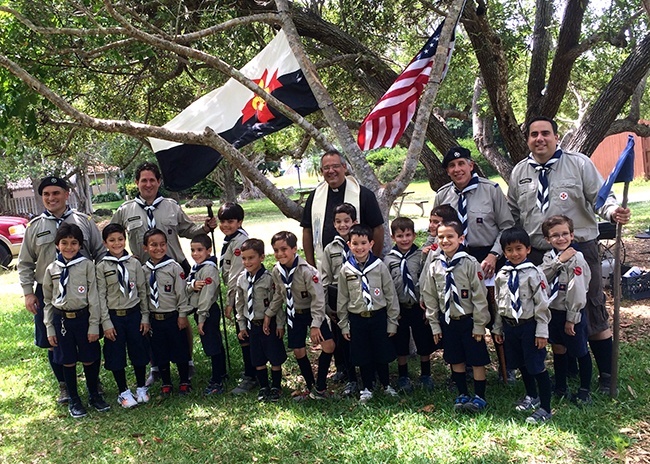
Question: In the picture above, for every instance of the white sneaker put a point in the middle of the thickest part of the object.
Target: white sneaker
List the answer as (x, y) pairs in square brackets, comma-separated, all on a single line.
[(126, 399), (154, 375), (390, 391), (143, 394), (365, 396)]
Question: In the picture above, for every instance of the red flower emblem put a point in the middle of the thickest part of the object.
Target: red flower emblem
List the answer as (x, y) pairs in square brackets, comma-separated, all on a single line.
[(208, 280), (577, 271), (256, 106), (237, 252), (315, 279)]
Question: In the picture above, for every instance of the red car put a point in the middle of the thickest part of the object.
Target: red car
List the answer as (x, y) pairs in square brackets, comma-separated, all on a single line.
[(12, 231)]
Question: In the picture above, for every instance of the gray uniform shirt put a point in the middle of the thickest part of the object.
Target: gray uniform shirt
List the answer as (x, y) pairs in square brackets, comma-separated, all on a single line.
[(574, 277), (110, 293), (574, 182), (232, 266), (39, 250), (414, 265), (171, 289), (207, 296), (263, 290)]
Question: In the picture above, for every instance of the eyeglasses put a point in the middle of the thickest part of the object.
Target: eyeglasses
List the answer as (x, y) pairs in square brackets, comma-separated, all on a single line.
[(559, 236), (331, 167)]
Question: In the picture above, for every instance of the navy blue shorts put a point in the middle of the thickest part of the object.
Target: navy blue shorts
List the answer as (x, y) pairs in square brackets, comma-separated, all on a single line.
[(575, 345), (459, 344), (167, 342), (266, 348), (413, 320), (72, 338), (40, 332), (369, 341), (297, 335), (520, 349), (127, 337), (212, 342)]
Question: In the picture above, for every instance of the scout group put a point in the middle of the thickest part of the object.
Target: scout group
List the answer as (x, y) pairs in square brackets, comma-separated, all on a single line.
[(370, 307)]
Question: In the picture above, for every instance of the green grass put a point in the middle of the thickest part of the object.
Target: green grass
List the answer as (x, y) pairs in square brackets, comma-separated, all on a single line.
[(416, 429)]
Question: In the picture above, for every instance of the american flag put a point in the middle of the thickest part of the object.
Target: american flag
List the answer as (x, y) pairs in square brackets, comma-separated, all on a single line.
[(387, 121)]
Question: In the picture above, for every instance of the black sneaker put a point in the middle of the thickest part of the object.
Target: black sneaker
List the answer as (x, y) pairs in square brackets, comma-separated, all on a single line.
[(562, 394), (77, 409), (275, 394), (604, 384), (98, 403), (263, 394), (184, 389), (582, 398), (64, 397)]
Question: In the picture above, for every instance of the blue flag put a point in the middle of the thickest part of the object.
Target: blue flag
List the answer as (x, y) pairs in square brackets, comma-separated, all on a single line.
[(622, 172)]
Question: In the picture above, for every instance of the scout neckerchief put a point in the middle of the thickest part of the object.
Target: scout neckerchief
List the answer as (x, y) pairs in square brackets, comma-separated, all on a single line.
[(197, 267), (451, 292), (462, 202), (249, 294), (355, 267), (409, 286), (47, 215), (287, 280), (555, 284), (542, 185), (346, 248), (153, 284), (513, 285), (65, 274), (226, 242), (151, 221), (122, 272)]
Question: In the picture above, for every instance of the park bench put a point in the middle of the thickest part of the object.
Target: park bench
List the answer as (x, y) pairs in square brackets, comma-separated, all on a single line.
[(400, 201)]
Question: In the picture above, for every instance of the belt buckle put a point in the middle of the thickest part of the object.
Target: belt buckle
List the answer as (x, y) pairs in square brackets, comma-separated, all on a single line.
[(70, 315), (120, 312), (159, 317), (365, 314)]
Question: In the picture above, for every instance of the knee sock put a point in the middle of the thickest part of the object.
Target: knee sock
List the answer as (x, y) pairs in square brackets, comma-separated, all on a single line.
[(560, 364), (544, 385), (425, 368), (479, 388), (529, 382), (602, 351), (217, 372), (403, 370), (70, 375), (183, 371), (382, 373), (249, 370), (263, 377), (571, 365), (305, 370), (56, 368), (120, 380), (585, 370), (276, 378), (92, 377), (165, 374), (460, 380), (324, 361), (367, 376), (140, 373)]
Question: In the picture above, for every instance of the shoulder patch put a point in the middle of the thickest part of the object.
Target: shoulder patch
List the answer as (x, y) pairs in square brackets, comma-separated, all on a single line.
[(208, 281), (237, 252), (183, 275), (543, 285), (480, 275), (577, 271), (315, 279)]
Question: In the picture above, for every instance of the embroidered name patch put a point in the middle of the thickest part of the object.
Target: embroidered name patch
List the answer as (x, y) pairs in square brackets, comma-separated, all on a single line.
[(41, 234), (526, 180)]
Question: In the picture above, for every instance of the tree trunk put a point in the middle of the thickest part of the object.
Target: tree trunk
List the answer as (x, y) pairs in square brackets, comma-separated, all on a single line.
[(83, 191)]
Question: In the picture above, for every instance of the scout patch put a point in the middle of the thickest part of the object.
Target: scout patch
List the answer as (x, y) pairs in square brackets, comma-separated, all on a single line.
[(562, 287), (81, 289), (315, 279), (543, 285), (109, 273), (208, 281), (564, 196), (394, 266), (228, 262), (351, 277), (41, 234), (168, 288), (577, 271), (377, 292), (170, 232), (131, 285), (479, 220), (335, 255), (133, 218), (237, 252), (183, 275), (526, 180), (480, 275), (304, 294), (464, 293), (266, 302)]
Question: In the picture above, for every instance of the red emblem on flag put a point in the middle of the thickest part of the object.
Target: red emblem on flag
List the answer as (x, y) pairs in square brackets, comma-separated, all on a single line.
[(237, 252), (577, 271), (208, 280), (315, 279), (257, 106)]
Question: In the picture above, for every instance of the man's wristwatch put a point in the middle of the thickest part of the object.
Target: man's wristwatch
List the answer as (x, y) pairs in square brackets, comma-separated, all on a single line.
[(496, 255)]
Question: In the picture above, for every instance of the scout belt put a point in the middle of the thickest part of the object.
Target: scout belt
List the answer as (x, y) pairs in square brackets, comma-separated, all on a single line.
[(72, 314), (164, 316), (514, 323)]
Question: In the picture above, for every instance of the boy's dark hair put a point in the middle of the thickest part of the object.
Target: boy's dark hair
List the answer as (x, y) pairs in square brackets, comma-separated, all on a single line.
[(514, 235), (150, 233), (254, 244), (360, 230), (540, 118), (203, 239), (230, 210), (402, 223), (288, 237), (112, 228), (67, 230), (557, 220), (457, 226), (348, 209), (446, 212), (147, 166)]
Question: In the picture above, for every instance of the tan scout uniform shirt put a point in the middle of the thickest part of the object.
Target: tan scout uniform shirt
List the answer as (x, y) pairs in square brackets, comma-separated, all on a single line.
[(574, 283), (171, 289), (426, 262), (574, 182), (307, 291), (382, 291), (471, 293), (533, 294), (110, 293), (39, 250), (170, 218), (263, 290), (487, 212), (232, 266), (414, 265), (207, 296), (81, 291)]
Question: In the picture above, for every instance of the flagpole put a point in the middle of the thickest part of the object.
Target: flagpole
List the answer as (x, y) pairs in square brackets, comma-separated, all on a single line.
[(617, 287)]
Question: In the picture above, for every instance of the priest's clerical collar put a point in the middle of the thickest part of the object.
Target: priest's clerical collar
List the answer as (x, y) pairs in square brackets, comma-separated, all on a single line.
[(339, 187)]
